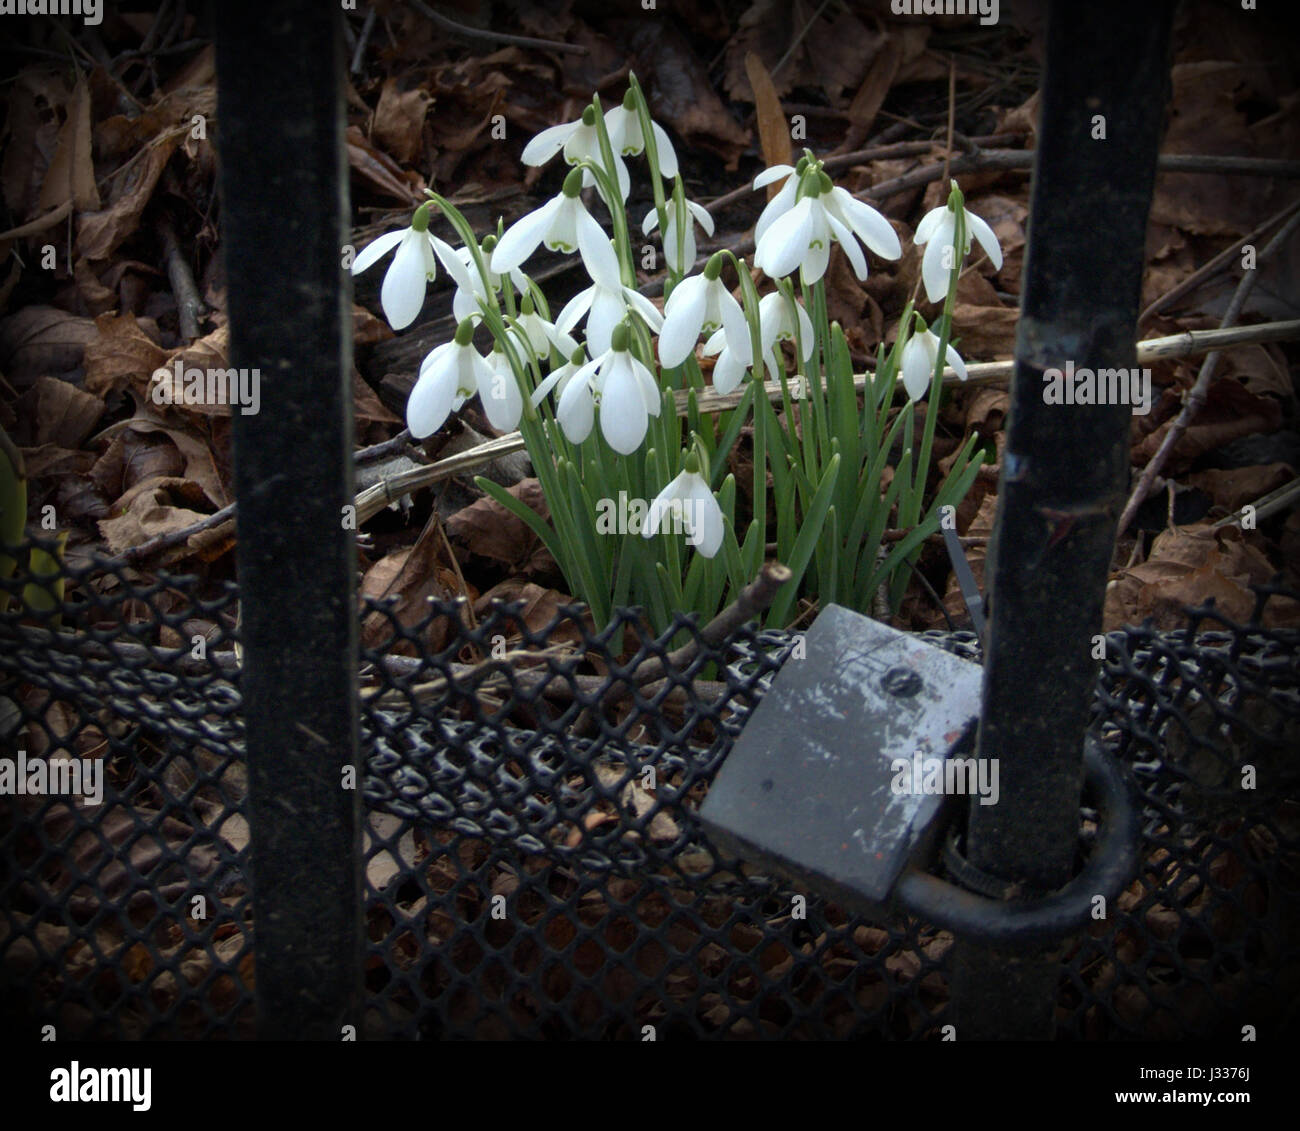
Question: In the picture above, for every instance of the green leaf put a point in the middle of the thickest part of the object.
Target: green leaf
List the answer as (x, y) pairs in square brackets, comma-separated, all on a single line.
[(809, 534)]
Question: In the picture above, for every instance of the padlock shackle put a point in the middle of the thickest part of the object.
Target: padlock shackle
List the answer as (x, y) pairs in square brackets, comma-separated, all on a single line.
[(1068, 910)]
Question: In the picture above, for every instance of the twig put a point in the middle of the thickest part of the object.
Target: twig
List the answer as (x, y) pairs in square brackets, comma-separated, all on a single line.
[(495, 36), (1266, 505), (189, 306), (363, 40), (384, 449), (798, 39), (1200, 390), (1203, 272), (753, 599)]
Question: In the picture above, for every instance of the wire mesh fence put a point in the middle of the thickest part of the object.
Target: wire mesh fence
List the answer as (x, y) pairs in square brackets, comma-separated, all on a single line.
[(534, 865)]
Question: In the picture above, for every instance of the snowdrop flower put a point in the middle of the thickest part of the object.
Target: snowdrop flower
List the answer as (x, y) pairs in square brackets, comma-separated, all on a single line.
[(776, 324), (627, 392), (698, 304), (501, 399), (688, 500), (801, 237), (402, 294), (920, 359), (938, 230), (680, 211), (539, 333), (470, 289), (784, 200), (627, 137), (580, 141), (606, 302), (562, 224), (451, 374), (559, 377)]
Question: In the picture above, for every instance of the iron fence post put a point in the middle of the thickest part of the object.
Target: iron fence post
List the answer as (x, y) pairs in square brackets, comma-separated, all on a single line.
[(1063, 478), (284, 222)]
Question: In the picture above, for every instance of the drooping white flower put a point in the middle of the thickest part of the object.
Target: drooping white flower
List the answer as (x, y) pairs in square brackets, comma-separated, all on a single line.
[(502, 400), (782, 202), (797, 226), (559, 377), (449, 375), (687, 500), (938, 230), (579, 140), (679, 221), (470, 288), (626, 391), (627, 137), (540, 334), (414, 265), (920, 358), (776, 324), (701, 304), (562, 224), (606, 302)]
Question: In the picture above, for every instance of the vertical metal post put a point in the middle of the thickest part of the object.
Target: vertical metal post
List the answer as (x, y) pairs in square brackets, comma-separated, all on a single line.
[(1064, 474), (285, 220)]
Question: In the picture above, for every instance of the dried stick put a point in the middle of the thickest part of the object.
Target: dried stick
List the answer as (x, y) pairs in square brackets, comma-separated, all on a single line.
[(189, 306), (1212, 267), (1200, 390), (494, 36)]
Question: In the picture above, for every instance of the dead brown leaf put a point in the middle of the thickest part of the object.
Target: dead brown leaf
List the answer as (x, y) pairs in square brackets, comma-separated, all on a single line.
[(773, 129), (42, 340), (100, 233), (121, 356), (1230, 411), (1187, 566), (71, 175), (150, 509), (399, 120), (486, 528), (61, 413)]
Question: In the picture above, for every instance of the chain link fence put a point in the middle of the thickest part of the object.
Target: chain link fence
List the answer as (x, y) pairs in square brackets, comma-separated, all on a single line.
[(534, 865)]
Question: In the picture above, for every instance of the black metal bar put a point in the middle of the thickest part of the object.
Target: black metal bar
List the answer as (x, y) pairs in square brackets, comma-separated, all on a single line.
[(1064, 474), (284, 223)]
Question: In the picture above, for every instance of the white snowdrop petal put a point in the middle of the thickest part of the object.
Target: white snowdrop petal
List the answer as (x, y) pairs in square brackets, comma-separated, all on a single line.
[(667, 154), (770, 176), (643, 306), (805, 332), (917, 367), (873, 229), (987, 239), (402, 294), (785, 245), (703, 215), (703, 517), (574, 309), (930, 223), (430, 402), (815, 262), (728, 371), (933, 272), (521, 238), (623, 416), (777, 207), (576, 411), (651, 222), (683, 317), (607, 311), (597, 252), (736, 327), (375, 250), (955, 360), (857, 260), (548, 143), (501, 398)]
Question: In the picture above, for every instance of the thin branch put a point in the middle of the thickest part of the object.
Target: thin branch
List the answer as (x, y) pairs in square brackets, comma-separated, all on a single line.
[(1200, 390), (494, 36), (1206, 270)]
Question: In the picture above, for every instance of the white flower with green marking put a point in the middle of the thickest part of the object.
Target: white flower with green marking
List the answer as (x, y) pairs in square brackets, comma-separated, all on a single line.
[(921, 358), (937, 232), (688, 500), (701, 304), (414, 266), (562, 224)]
